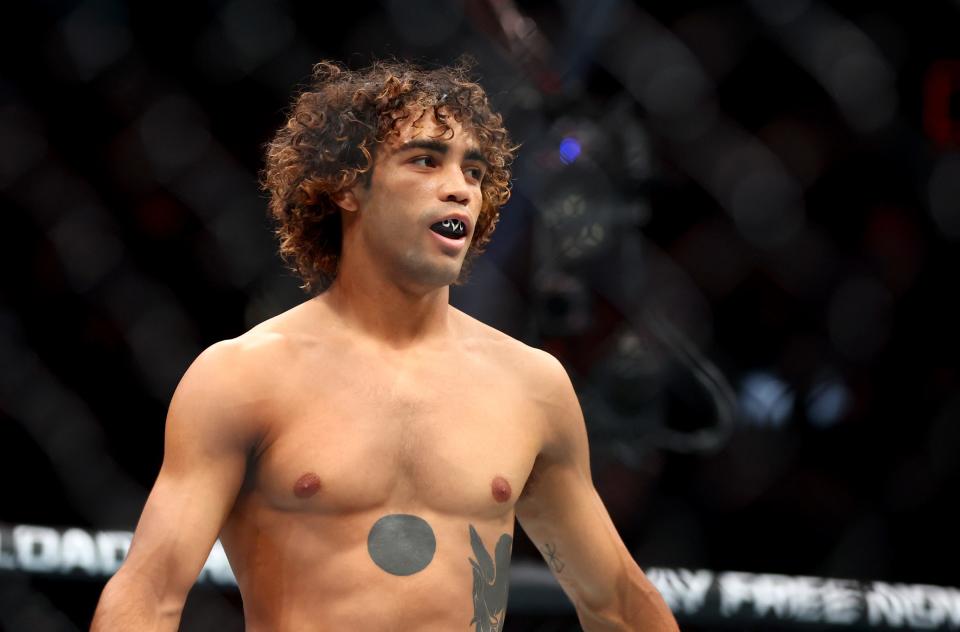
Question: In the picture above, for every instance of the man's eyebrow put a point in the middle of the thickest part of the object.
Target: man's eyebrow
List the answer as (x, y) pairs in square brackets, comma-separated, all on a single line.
[(441, 148), (477, 156), (425, 143)]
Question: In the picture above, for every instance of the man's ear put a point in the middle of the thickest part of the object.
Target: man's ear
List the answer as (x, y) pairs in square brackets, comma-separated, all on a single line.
[(347, 200)]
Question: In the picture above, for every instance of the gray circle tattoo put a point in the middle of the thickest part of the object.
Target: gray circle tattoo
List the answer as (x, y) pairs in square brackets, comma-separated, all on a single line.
[(401, 544)]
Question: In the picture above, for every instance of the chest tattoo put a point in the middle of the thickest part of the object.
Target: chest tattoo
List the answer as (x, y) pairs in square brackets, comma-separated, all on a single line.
[(401, 544)]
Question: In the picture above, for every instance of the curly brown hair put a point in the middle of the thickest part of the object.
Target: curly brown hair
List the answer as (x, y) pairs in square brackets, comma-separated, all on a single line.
[(332, 132)]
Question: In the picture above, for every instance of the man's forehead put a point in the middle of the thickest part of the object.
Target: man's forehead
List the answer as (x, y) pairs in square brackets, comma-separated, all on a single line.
[(426, 127)]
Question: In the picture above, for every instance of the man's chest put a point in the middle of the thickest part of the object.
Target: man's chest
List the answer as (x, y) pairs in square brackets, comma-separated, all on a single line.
[(440, 439)]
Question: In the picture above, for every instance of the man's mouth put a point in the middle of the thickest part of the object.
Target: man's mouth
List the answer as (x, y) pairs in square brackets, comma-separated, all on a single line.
[(451, 228)]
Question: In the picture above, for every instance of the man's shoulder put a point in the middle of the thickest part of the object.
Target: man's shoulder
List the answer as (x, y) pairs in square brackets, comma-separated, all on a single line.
[(230, 372), (255, 349), (248, 363), (276, 339), (514, 355), (244, 354)]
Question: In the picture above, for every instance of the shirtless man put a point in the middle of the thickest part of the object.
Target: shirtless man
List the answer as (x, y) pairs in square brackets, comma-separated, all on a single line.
[(362, 456)]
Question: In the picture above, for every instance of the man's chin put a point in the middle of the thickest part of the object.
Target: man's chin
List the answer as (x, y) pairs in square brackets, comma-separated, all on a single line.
[(433, 275), (443, 278)]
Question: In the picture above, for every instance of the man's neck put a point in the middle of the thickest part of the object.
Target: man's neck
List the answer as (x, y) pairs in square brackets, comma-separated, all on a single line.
[(384, 311)]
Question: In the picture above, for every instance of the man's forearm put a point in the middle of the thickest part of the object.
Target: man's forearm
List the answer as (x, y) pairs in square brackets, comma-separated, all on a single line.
[(639, 606), (130, 602)]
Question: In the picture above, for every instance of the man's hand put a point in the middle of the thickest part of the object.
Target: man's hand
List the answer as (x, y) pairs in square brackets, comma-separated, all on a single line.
[(563, 515)]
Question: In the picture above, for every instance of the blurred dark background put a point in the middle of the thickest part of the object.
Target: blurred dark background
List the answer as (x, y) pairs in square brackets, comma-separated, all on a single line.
[(736, 224)]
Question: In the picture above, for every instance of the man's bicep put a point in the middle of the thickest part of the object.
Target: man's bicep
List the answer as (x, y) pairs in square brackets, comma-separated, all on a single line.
[(207, 442), (177, 529), (560, 509), (566, 520)]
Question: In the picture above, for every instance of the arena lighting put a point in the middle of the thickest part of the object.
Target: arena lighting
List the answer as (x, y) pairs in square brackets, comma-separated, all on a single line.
[(569, 150), (699, 596), (828, 401), (765, 399)]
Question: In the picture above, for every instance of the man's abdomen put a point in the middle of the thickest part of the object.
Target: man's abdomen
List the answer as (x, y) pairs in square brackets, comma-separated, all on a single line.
[(399, 569)]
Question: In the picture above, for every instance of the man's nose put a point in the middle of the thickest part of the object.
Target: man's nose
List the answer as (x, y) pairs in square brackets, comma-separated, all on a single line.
[(454, 187)]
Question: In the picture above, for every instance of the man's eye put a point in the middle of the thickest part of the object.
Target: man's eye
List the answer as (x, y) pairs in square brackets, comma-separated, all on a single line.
[(475, 172), (424, 161)]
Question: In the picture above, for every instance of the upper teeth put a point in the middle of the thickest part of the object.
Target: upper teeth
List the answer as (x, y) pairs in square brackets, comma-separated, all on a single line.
[(452, 224)]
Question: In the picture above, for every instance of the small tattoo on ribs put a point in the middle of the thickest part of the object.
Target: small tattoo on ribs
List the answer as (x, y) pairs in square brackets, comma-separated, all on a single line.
[(553, 559)]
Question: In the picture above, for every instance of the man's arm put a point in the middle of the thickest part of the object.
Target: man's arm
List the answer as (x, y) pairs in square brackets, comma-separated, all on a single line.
[(563, 515), (211, 426)]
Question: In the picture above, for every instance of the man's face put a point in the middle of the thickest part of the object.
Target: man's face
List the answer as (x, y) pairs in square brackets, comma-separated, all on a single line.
[(418, 215)]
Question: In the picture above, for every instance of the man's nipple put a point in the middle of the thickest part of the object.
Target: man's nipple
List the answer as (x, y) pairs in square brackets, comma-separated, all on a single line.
[(500, 489), (307, 485)]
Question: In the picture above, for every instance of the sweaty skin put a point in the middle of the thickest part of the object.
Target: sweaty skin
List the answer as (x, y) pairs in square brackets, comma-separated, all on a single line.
[(368, 484)]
